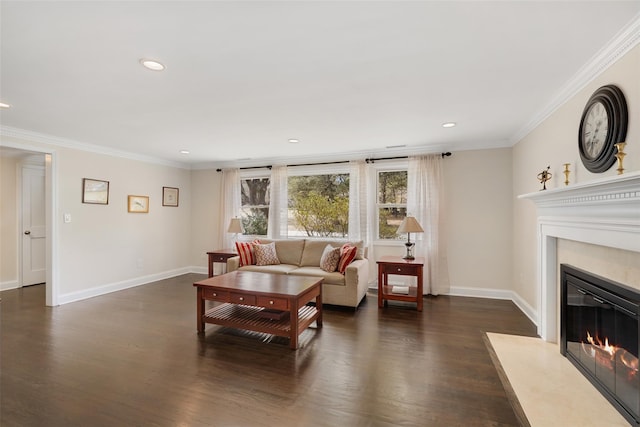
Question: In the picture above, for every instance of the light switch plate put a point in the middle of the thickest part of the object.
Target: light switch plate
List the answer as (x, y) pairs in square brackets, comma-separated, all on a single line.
[(67, 218)]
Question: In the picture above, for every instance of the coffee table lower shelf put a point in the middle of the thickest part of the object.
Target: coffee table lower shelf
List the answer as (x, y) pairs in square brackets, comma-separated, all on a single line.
[(249, 318)]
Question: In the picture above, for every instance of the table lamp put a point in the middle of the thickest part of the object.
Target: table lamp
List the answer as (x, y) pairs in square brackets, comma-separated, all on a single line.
[(409, 225), (235, 226)]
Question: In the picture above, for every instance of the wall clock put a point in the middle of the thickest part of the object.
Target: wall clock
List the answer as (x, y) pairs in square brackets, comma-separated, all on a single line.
[(603, 124)]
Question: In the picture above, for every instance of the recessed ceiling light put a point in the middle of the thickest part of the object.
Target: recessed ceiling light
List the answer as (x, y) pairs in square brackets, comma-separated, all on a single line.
[(449, 124), (184, 151), (152, 64), (3, 105), (293, 141)]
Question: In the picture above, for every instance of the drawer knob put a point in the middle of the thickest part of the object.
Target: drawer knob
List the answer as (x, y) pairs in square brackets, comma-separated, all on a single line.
[(241, 298), (271, 302), (399, 269)]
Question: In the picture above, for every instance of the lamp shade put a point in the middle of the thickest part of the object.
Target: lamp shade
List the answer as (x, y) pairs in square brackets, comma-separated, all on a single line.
[(235, 226), (410, 225)]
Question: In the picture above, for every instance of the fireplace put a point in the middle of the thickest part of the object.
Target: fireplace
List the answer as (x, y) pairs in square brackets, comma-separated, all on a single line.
[(599, 330)]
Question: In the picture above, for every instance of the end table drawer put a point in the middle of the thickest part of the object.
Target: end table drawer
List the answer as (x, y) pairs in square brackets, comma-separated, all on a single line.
[(220, 258), (243, 299), (216, 295), (276, 303), (403, 270)]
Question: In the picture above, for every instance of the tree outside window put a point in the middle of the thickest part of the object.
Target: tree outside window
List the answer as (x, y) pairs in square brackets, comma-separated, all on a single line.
[(254, 198), (319, 205), (392, 202)]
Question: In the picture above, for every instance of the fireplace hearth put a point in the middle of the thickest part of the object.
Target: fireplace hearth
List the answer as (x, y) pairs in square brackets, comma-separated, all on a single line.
[(599, 334)]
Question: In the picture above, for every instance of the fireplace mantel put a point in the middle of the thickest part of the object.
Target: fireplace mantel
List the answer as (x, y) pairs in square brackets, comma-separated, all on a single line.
[(602, 212)]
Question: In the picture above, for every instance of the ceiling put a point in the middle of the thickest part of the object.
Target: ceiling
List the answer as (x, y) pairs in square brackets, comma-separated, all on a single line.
[(342, 77)]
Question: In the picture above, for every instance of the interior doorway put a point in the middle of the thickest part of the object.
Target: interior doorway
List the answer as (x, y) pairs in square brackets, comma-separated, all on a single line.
[(45, 236), (33, 256)]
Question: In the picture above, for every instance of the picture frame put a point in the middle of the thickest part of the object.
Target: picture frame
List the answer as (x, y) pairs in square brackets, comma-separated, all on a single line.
[(138, 204), (95, 191), (170, 196)]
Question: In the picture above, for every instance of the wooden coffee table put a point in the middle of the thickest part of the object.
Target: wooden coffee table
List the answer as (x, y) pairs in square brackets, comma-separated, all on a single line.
[(262, 302)]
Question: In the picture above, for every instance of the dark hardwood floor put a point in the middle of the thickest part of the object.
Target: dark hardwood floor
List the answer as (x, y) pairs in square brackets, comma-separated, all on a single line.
[(133, 358)]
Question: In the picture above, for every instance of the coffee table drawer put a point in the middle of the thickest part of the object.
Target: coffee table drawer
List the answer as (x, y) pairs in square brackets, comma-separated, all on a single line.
[(243, 299), (215, 295), (276, 303)]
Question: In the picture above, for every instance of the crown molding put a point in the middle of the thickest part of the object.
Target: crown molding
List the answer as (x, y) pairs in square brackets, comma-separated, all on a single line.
[(52, 141), (625, 40)]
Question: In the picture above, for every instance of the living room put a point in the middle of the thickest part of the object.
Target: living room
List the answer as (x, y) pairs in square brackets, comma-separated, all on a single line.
[(491, 234)]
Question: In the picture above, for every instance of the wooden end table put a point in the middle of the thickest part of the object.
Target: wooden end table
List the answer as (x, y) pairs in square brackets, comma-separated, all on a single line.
[(220, 255), (404, 267), (247, 294)]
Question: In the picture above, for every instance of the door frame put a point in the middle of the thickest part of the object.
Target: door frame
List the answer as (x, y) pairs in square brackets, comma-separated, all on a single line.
[(51, 219)]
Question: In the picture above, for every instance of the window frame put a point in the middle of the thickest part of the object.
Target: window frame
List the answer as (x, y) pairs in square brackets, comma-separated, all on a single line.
[(401, 165), (254, 174)]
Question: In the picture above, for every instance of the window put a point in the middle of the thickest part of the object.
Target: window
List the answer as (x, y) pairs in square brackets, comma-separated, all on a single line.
[(392, 202), (319, 205), (254, 211)]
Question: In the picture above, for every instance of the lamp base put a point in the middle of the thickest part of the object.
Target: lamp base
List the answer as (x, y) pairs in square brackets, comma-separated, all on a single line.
[(409, 254)]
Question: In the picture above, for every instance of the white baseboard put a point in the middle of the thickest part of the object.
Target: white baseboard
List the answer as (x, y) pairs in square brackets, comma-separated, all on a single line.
[(10, 284), (119, 286)]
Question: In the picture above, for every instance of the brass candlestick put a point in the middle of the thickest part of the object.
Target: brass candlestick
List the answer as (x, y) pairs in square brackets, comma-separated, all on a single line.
[(566, 173), (620, 155)]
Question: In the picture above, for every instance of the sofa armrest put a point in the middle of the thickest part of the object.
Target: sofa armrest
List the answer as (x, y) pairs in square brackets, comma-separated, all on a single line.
[(357, 273), (233, 264)]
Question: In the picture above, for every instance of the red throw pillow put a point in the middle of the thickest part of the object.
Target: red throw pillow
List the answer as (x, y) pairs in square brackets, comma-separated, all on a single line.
[(347, 254), (246, 252)]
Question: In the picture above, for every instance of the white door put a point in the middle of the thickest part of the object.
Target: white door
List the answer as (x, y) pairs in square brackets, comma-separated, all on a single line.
[(33, 226)]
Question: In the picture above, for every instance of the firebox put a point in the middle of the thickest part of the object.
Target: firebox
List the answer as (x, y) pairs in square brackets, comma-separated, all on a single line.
[(599, 335)]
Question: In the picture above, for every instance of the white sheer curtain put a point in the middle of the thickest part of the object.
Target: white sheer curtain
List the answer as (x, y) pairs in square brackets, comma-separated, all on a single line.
[(229, 205), (278, 209), (425, 201), (361, 200)]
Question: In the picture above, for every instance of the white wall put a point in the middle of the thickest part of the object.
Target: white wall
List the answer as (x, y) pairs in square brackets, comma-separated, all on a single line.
[(205, 185), (479, 203), (8, 223), (105, 248), (555, 142)]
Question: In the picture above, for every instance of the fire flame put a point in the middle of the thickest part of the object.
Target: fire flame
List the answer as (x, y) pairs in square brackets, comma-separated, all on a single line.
[(611, 349), (606, 354)]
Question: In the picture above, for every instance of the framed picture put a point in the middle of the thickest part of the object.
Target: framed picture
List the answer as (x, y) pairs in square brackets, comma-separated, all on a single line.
[(170, 196), (138, 204), (95, 191)]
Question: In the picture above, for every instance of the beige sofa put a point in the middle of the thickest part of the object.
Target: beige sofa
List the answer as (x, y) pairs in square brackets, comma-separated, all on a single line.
[(302, 257)]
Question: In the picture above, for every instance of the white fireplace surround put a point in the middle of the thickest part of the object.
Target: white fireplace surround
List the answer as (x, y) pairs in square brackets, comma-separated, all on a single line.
[(603, 212)]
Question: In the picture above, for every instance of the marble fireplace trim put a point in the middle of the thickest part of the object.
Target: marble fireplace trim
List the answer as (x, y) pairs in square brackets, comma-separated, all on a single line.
[(603, 212)]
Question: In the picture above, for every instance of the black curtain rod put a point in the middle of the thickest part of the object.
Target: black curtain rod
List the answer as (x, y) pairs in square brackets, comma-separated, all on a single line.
[(371, 160)]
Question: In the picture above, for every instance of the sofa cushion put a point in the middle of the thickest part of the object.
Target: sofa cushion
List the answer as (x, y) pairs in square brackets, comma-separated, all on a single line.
[(330, 278), (330, 258), (275, 269), (266, 254), (247, 255), (289, 251), (313, 250), (347, 254)]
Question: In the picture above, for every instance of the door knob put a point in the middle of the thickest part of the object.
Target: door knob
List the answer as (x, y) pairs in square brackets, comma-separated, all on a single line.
[(27, 232)]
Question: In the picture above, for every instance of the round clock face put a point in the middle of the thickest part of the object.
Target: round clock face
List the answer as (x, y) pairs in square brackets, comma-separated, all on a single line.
[(595, 130), (603, 124)]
